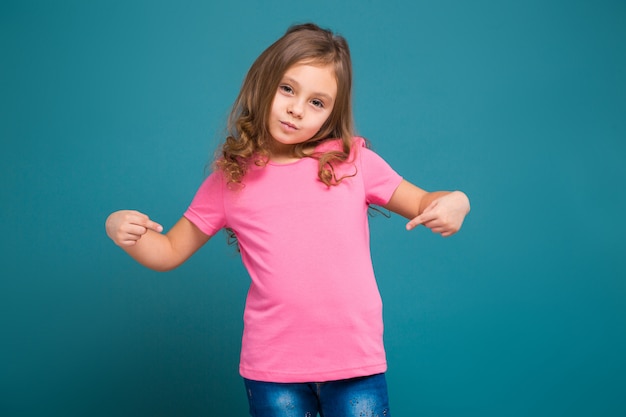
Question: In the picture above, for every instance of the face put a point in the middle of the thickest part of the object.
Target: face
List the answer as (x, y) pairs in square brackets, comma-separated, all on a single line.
[(303, 102)]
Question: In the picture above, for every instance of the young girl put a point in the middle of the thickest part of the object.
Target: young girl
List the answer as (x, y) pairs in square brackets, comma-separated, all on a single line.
[(293, 185)]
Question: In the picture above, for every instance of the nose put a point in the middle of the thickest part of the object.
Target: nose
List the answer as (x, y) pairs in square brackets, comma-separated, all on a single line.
[(295, 109)]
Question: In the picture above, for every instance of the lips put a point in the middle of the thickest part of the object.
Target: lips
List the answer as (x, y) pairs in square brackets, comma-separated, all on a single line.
[(288, 125)]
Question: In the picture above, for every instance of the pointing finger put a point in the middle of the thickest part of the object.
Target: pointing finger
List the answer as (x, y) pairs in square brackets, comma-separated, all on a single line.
[(154, 226), (423, 218), (414, 223), (145, 222)]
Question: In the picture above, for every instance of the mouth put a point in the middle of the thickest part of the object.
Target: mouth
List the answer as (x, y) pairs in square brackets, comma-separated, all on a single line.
[(288, 125)]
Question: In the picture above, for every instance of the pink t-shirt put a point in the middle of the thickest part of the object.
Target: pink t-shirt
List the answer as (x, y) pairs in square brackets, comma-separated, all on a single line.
[(313, 311)]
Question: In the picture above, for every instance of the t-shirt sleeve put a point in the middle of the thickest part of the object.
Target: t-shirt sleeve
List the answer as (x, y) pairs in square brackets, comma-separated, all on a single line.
[(380, 180), (206, 210)]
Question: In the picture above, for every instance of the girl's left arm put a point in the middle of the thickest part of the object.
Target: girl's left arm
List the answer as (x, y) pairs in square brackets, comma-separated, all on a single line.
[(442, 212)]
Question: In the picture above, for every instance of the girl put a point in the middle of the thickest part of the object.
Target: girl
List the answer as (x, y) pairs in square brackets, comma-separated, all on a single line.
[(293, 185)]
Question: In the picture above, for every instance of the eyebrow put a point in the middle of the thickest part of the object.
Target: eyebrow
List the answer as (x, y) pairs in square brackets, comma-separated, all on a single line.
[(318, 94)]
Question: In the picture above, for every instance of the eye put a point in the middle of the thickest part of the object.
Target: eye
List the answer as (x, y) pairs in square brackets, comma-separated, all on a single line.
[(285, 89), (318, 103)]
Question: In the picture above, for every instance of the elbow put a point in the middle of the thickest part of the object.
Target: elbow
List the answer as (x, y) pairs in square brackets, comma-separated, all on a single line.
[(161, 266)]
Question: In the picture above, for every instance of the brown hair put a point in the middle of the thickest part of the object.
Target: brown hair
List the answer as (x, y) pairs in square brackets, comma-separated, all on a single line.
[(248, 135)]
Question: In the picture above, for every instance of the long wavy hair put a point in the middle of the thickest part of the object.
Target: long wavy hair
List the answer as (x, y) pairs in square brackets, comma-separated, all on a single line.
[(248, 138)]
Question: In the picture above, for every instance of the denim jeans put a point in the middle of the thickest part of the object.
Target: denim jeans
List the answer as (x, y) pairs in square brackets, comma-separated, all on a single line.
[(355, 397)]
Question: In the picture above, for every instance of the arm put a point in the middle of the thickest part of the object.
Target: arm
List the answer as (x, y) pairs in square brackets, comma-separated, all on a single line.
[(441, 211), (141, 238)]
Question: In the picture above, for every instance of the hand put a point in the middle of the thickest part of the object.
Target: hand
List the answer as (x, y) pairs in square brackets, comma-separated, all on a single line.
[(445, 215), (126, 227)]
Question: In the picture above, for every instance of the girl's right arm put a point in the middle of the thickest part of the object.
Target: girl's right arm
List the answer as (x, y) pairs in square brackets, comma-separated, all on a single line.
[(142, 239)]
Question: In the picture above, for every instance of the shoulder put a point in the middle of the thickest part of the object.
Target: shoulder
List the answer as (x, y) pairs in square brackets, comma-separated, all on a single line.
[(213, 183)]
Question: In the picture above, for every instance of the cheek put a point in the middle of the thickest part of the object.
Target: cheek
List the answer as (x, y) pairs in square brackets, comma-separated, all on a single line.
[(324, 119), (278, 101)]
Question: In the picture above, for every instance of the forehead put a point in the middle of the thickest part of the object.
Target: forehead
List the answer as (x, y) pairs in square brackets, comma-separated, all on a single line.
[(315, 77)]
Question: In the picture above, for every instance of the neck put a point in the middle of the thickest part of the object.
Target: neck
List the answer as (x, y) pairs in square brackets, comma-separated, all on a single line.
[(283, 154)]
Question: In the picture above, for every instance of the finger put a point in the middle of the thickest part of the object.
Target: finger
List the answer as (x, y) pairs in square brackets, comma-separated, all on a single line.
[(125, 239), (145, 222), (431, 206), (152, 225), (423, 218), (448, 233), (438, 230), (416, 221), (445, 231), (127, 243), (134, 230)]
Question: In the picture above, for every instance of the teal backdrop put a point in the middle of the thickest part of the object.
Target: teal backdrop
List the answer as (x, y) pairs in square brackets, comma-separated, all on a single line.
[(120, 104)]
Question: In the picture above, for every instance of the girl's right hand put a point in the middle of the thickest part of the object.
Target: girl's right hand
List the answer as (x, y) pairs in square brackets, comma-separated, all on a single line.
[(126, 227)]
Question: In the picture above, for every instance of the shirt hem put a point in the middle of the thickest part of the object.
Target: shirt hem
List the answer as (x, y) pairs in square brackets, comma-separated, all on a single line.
[(299, 377)]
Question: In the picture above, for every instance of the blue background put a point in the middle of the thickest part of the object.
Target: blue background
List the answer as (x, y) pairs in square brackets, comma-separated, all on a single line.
[(522, 104)]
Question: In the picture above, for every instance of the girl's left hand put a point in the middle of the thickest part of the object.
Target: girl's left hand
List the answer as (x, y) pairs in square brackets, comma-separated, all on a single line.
[(445, 215)]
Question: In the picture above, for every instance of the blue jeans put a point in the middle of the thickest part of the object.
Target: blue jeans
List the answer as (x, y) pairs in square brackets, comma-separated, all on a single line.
[(355, 397)]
